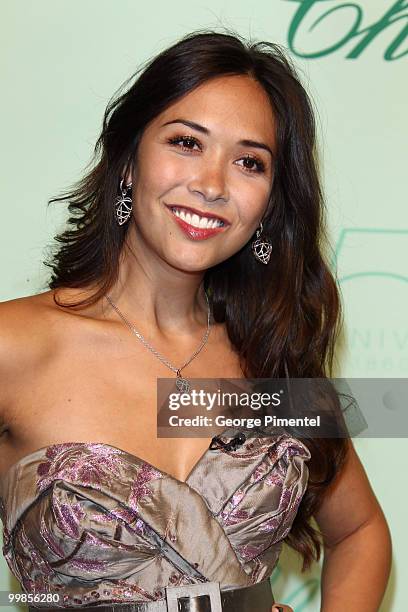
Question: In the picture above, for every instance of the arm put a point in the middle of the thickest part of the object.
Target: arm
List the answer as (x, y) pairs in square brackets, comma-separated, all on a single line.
[(357, 542)]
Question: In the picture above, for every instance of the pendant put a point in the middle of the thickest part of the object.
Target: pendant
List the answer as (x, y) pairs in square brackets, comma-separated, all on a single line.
[(182, 384), (123, 209), (262, 250)]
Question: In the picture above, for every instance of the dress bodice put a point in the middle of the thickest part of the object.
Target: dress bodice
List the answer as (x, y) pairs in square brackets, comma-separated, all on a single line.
[(98, 524)]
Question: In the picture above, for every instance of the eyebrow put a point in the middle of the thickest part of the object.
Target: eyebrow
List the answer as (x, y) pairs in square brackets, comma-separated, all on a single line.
[(200, 128)]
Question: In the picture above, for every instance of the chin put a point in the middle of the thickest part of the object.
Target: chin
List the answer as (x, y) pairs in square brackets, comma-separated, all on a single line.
[(193, 259), (188, 262), (191, 267)]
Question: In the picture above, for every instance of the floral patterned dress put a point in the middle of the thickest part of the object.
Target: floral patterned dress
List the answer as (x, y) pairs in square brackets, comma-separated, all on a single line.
[(99, 525)]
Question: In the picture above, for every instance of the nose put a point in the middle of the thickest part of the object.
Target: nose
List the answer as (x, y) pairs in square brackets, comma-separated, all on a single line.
[(210, 182)]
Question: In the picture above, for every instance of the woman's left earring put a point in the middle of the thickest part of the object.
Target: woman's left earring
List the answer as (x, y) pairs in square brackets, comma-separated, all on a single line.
[(262, 249), (123, 203)]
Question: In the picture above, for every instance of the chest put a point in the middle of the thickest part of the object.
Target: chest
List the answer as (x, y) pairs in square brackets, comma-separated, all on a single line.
[(102, 394)]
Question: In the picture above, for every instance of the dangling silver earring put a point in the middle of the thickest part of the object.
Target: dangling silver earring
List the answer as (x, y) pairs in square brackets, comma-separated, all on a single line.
[(262, 248), (123, 203)]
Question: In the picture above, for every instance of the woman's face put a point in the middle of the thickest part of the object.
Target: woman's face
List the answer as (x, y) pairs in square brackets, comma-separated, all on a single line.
[(208, 157)]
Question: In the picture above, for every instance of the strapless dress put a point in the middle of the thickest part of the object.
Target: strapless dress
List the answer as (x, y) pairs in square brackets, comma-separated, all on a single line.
[(98, 525)]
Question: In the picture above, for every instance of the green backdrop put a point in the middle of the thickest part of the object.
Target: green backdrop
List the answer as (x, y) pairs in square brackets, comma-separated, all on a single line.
[(61, 60)]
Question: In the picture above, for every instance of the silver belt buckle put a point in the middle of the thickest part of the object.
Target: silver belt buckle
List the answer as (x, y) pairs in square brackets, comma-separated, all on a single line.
[(211, 589)]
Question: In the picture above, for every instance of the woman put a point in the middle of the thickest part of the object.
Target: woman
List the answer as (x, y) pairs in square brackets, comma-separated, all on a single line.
[(194, 250)]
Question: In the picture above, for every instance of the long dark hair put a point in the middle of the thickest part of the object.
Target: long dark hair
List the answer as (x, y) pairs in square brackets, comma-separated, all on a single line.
[(283, 318)]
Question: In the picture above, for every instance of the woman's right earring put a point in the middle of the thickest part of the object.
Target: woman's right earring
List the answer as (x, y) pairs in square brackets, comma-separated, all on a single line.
[(262, 249), (123, 204)]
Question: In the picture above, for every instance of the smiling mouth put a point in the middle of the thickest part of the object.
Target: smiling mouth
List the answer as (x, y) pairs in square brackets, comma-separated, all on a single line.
[(196, 219)]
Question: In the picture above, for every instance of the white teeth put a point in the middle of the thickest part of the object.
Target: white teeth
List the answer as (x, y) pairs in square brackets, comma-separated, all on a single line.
[(197, 221)]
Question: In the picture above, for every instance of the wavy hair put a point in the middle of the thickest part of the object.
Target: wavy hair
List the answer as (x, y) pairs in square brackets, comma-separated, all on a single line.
[(282, 319)]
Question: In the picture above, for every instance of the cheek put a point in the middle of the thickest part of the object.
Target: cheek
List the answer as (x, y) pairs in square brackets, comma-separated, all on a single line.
[(252, 201), (158, 173)]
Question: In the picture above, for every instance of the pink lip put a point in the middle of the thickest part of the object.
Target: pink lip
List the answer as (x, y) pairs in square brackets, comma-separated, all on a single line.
[(196, 233)]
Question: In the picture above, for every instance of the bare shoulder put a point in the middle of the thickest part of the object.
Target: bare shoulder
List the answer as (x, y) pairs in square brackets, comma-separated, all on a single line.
[(32, 306), (32, 331), (17, 314), (26, 326)]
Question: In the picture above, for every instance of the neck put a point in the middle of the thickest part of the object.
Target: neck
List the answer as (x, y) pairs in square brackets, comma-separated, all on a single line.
[(165, 300)]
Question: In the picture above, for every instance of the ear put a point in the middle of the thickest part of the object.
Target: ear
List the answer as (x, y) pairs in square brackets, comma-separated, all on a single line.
[(127, 173)]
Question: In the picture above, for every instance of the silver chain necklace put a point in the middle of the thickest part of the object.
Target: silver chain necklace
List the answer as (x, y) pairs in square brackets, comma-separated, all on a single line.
[(181, 383)]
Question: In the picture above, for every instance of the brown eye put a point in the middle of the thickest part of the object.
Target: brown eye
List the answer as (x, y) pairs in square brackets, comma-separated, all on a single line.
[(186, 142), (253, 164)]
